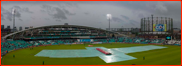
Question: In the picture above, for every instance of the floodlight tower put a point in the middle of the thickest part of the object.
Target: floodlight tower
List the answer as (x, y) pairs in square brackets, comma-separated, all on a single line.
[(13, 13), (109, 17)]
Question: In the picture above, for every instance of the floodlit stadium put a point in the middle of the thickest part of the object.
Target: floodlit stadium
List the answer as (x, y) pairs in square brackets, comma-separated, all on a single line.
[(130, 38)]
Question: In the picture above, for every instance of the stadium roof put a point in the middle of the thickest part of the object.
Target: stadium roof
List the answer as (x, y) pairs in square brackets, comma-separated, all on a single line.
[(53, 26)]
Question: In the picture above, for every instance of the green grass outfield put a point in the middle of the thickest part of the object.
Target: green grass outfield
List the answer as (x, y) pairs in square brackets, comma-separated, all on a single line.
[(166, 56)]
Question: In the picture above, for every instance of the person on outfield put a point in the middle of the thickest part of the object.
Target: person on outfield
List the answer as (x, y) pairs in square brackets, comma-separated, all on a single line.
[(43, 62)]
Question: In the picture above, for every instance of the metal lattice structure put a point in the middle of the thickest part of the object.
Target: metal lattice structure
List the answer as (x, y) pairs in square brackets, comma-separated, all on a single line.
[(148, 22)]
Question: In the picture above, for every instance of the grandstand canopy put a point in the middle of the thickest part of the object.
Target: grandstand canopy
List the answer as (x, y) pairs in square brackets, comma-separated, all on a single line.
[(57, 26)]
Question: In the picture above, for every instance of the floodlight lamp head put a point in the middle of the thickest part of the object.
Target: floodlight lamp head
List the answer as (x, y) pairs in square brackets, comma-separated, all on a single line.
[(13, 11), (108, 16)]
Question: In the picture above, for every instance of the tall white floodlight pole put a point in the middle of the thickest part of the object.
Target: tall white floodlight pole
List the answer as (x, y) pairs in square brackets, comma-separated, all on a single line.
[(109, 17), (13, 13)]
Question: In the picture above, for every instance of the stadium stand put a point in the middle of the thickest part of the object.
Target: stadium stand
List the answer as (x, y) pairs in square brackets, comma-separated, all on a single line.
[(19, 44), (66, 35)]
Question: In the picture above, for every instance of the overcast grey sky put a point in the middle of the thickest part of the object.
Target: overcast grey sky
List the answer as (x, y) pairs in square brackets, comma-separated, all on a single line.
[(87, 13)]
